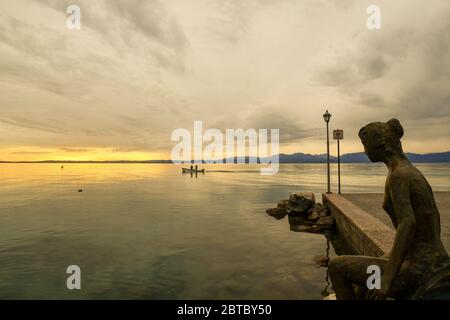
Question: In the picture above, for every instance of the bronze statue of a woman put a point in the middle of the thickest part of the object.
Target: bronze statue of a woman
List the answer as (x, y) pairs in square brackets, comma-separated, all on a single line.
[(417, 252)]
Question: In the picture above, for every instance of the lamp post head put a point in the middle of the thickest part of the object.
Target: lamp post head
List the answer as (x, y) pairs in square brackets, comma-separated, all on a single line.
[(327, 116)]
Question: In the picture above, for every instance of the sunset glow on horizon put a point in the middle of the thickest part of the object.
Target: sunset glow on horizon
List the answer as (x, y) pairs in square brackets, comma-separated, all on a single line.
[(77, 154)]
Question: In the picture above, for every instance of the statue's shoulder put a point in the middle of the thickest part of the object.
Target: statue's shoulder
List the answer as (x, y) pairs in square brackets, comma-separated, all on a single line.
[(401, 173), (404, 171), (403, 177)]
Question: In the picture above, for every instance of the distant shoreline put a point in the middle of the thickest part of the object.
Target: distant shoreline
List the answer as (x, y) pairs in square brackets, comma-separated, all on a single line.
[(360, 157), (93, 162)]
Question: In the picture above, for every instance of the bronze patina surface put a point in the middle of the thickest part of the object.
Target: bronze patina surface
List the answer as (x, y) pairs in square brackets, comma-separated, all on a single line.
[(417, 254)]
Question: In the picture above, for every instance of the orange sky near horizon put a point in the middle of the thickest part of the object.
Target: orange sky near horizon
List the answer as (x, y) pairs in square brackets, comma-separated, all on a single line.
[(109, 154), (88, 154)]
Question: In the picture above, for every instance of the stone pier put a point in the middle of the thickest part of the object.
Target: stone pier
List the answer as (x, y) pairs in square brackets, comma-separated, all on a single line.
[(366, 229)]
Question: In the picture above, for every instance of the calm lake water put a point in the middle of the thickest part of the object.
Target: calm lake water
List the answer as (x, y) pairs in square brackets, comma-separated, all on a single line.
[(149, 232)]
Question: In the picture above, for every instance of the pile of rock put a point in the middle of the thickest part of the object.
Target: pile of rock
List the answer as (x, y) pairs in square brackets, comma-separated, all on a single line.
[(305, 215), (300, 203)]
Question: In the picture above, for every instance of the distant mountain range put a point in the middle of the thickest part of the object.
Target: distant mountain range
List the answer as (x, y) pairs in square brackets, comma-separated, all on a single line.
[(359, 157)]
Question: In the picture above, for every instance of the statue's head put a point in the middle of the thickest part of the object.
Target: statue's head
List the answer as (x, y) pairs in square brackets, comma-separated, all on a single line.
[(382, 139)]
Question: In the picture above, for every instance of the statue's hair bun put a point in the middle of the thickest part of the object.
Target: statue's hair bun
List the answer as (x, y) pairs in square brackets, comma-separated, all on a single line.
[(396, 128)]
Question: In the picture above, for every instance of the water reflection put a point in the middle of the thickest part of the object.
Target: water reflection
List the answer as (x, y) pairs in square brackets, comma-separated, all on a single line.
[(193, 174), (326, 291), (301, 223), (143, 231)]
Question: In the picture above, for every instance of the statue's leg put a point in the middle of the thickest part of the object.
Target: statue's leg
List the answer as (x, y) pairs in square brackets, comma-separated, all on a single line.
[(345, 271)]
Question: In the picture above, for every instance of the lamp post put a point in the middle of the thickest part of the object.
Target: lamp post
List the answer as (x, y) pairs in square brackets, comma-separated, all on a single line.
[(327, 117), (338, 135)]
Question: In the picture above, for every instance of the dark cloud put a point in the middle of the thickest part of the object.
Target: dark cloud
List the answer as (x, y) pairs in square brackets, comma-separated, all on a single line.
[(151, 19), (43, 58), (428, 95), (370, 100), (144, 27), (371, 60), (231, 18), (291, 130), (405, 69)]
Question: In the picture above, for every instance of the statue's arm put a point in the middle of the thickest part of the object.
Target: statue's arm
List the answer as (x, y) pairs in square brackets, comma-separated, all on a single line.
[(405, 231), (387, 206)]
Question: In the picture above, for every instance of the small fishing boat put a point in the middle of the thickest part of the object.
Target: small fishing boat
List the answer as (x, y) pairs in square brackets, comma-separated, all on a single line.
[(187, 170)]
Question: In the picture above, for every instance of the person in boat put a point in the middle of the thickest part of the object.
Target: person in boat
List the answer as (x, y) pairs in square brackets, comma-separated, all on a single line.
[(196, 169), (192, 168)]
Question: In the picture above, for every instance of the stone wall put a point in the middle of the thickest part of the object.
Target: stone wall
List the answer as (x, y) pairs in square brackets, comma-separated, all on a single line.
[(359, 231)]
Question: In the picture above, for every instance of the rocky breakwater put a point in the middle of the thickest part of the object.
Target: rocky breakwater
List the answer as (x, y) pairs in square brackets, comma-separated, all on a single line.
[(304, 214)]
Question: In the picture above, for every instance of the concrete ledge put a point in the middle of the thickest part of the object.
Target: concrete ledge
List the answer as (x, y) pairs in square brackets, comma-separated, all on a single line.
[(372, 203), (362, 233)]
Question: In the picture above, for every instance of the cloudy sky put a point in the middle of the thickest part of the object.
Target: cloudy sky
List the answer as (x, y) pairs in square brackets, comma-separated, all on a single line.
[(138, 69)]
